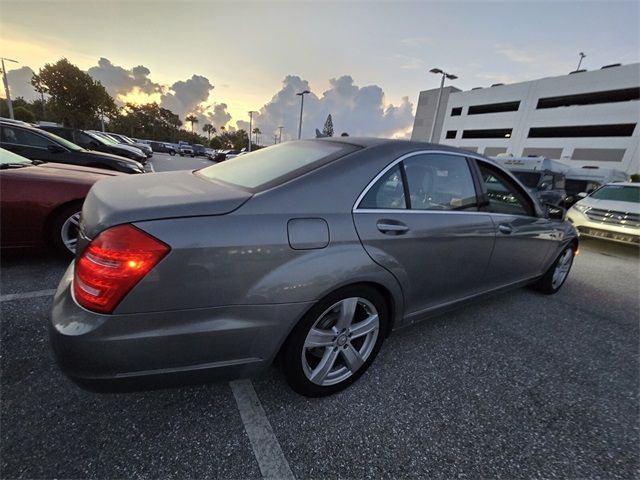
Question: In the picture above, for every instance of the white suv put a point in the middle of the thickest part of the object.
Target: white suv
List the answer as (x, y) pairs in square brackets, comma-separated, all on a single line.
[(611, 212)]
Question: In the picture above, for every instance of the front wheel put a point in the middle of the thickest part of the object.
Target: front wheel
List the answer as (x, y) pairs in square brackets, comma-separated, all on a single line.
[(336, 341), (554, 278)]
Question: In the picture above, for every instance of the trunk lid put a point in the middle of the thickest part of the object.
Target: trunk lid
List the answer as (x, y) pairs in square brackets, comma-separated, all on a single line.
[(136, 198)]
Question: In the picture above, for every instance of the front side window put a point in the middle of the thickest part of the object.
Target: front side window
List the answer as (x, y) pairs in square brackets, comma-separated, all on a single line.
[(19, 136), (504, 196), (387, 192), (440, 182)]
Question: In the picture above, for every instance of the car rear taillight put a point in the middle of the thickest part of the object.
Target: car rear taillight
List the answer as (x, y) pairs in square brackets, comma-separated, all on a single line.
[(112, 264)]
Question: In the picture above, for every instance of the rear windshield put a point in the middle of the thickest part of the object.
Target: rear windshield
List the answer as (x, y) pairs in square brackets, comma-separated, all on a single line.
[(276, 164), (618, 192)]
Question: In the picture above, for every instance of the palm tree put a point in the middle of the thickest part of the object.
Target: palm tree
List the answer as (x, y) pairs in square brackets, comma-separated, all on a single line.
[(207, 127), (191, 118), (257, 132)]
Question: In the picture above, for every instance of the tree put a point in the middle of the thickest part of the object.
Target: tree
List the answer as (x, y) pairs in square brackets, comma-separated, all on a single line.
[(24, 114), (76, 99), (256, 131), (209, 129), (328, 127), (191, 118)]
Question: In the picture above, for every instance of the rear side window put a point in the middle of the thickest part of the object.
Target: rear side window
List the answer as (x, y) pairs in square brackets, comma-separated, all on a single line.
[(273, 165), (388, 192)]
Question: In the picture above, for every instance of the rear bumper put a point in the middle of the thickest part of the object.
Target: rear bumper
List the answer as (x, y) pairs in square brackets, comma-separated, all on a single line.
[(148, 350)]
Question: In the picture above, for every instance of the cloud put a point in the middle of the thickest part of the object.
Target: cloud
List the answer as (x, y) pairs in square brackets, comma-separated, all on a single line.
[(20, 84), (415, 42), (533, 59), (120, 81), (354, 109), (408, 62), (186, 96)]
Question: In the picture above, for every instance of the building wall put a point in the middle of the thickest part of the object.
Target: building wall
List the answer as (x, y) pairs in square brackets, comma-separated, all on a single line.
[(620, 152), (426, 109)]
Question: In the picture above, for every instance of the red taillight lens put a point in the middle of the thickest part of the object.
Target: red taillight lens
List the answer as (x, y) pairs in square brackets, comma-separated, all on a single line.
[(112, 264)]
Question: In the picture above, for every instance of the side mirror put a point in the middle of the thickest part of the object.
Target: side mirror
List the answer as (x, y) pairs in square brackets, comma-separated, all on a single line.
[(55, 149), (582, 195), (554, 212)]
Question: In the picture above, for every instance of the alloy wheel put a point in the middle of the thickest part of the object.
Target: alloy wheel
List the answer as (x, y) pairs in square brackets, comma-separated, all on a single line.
[(69, 232), (562, 268), (340, 341)]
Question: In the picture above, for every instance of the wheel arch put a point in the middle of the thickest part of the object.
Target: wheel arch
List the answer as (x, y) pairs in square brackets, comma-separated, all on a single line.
[(390, 301), (53, 214)]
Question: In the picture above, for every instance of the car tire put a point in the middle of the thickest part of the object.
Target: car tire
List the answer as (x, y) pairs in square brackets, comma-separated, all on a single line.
[(336, 341), (64, 229), (557, 274)]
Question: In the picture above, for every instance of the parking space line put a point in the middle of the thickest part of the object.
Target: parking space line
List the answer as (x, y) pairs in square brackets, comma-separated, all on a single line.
[(266, 449), (20, 296)]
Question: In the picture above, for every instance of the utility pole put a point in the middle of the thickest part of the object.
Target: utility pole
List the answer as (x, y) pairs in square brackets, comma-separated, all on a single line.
[(280, 137), (301, 94), (251, 112), (6, 85)]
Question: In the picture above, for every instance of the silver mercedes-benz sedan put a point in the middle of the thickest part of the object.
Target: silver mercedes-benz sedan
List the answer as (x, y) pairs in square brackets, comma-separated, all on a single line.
[(310, 251)]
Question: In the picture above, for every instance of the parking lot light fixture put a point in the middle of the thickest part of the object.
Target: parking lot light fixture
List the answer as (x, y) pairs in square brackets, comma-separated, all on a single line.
[(301, 94), (6, 85), (445, 75)]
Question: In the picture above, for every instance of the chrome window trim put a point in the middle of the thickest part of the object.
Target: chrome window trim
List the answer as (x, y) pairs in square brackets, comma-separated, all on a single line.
[(406, 210), (355, 208)]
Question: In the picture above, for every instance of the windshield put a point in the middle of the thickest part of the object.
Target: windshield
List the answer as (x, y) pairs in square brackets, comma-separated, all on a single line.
[(276, 164), (10, 158), (620, 193), (105, 138), (64, 142), (529, 179)]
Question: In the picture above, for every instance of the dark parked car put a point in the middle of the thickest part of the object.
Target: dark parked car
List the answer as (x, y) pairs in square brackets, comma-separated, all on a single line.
[(91, 141), (38, 144), (124, 140), (163, 148), (314, 250), (41, 202), (199, 150)]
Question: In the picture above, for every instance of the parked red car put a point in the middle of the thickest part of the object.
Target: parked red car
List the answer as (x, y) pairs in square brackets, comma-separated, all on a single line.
[(40, 203)]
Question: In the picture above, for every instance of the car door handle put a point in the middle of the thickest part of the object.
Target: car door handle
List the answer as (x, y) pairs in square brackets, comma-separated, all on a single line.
[(392, 228), (506, 229)]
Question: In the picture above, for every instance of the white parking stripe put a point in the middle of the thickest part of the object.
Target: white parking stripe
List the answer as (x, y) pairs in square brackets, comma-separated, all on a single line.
[(264, 443), (20, 296)]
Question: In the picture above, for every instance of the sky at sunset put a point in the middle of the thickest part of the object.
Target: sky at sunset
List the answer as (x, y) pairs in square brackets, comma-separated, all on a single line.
[(364, 62)]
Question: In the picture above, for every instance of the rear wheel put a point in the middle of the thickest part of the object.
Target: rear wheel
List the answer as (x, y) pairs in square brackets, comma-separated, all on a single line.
[(554, 278), (64, 229), (335, 342)]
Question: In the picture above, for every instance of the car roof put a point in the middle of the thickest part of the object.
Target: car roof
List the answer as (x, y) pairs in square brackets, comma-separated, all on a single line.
[(368, 142)]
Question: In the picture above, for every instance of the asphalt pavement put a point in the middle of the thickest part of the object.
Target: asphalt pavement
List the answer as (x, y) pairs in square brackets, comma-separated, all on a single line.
[(521, 385)]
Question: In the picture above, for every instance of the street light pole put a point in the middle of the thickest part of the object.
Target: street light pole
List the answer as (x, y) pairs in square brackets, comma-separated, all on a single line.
[(301, 94), (250, 124), (280, 137), (450, 76), (582, 55), (6, 85)]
